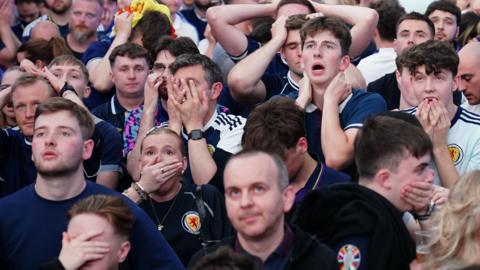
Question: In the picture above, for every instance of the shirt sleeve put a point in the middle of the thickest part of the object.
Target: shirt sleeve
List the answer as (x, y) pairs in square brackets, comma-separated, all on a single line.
[(352, 253), (369, 104)]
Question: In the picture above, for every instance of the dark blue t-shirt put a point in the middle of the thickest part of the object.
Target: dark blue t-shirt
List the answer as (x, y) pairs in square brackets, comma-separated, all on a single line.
[(31, 231), (353, 111), (199, 23)]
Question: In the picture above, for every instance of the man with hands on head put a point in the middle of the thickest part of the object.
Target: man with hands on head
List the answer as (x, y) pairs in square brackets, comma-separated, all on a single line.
[(212, 135), (434, 66), (251, 81), (334, 111)]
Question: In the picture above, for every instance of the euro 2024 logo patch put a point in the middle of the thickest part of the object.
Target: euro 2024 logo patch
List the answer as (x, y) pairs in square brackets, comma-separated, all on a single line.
[(456, 153), (349, 257), (191, 222)]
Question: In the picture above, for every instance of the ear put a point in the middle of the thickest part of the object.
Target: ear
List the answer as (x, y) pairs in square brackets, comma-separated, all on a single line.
[(382, 177), (344, 62), (87, 149), (216, 90), (302, 145), (288, 198), (123, 251), (110, 73), (455, 83), (397, 76), (87, 91), (185, 164)]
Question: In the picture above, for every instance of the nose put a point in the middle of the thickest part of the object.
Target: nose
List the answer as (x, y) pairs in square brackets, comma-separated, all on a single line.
[(462, 85), (50, 139), (131, 73), (246, 200), (30, 111), (429, 85)]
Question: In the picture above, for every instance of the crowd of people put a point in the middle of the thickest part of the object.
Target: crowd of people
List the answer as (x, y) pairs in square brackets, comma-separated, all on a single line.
[(240, 134)]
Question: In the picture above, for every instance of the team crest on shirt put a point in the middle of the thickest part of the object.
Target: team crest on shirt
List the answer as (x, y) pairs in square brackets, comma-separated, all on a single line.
[(211, 149), (456, 153), (349, 257), (191, 222)]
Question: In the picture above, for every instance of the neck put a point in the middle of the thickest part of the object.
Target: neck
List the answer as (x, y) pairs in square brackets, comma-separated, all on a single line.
[(77, 46), (200, 12), (383, 43), (59, 19), (129, 103), (299, 180), (264, 246), (317, 96), (169, 195), (452, 110), (60, 188), (403, 103), (296, 77)]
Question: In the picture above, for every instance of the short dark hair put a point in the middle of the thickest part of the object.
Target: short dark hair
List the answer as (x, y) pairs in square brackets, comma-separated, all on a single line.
[(384, 141), (112, 208), (213, 73), (333, 25), (225, 258), (130, 50), (295, 22), (70, 60), (151, 27), (27, 79), (58, 104), (446, 6), (415, 16), (278, 119), (175, 46), (306, 3), (389, 12), (435, 55), (468, 27)]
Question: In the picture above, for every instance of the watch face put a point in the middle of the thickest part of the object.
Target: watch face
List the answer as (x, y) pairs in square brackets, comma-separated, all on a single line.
[(196, 134)]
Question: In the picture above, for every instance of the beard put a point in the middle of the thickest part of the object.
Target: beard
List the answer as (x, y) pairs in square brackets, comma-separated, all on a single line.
[(62, 170), (204, 6), (60, 9), (81, 34)]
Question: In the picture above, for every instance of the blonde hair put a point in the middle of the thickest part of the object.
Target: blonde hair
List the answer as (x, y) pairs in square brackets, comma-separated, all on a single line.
[(458, 224)]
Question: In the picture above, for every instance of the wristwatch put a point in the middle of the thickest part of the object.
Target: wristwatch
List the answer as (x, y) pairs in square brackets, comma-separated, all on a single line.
[(67, 87), (195, 134)]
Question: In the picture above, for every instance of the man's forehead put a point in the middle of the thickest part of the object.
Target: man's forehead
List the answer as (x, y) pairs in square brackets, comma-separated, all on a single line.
[(442, 14), (320, 36), (66, 120)]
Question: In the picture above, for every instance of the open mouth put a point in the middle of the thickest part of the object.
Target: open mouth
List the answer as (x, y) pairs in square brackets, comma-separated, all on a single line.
[(430, 99), (318, 67)]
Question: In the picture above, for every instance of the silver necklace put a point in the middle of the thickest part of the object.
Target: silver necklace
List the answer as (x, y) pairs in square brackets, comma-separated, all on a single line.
[(160, 225)]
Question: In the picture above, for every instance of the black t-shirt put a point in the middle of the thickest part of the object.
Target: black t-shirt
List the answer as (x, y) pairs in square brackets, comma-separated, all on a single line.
[(387, 87), (181, 219)]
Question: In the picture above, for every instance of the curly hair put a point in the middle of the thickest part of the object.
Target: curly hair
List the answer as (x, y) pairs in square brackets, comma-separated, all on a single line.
[(458, 225), (434, 55)]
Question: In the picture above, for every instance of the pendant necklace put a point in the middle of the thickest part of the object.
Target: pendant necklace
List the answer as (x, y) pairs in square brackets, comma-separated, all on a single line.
[(160, 225)]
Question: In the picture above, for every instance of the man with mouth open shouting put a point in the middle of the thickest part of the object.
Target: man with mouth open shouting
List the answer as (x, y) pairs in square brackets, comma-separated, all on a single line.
[(334, 112), (454, 131)]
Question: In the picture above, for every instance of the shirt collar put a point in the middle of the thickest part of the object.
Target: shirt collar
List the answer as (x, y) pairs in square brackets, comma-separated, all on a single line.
[(311, 107), (282, 250), (115, 106)]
